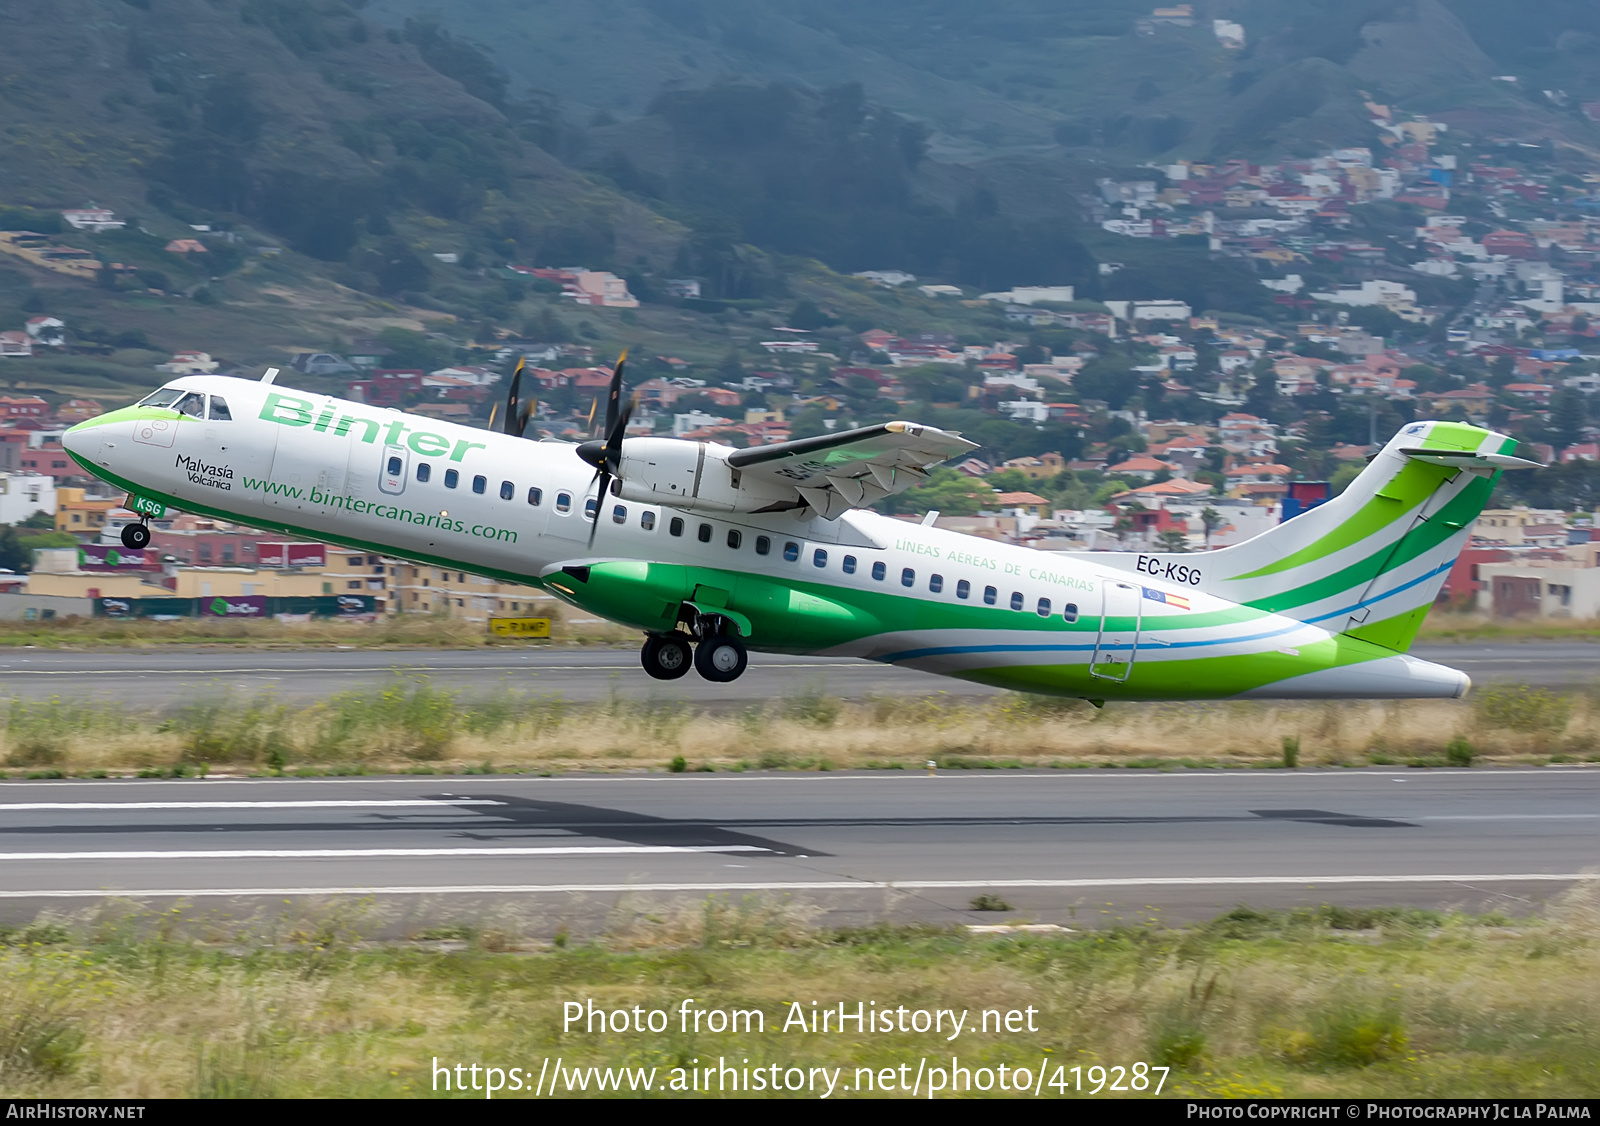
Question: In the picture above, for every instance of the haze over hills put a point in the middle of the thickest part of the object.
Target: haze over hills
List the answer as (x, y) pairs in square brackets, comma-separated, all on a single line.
[(1039, 76)]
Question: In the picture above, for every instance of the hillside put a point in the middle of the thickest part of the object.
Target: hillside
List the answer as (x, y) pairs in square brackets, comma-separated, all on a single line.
[(1046, 77)]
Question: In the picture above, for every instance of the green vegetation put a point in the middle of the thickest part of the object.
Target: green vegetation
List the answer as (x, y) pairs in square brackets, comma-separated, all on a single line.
[(410, 725), (303, 1000)]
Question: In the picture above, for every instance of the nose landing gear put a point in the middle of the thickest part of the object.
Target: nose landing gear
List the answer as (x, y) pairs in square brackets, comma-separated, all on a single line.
[(135, 536)]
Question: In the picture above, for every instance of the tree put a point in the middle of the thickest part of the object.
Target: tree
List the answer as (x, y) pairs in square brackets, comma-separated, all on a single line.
[(1210, 520), (13, 556), (1567, 416), (1173, 540)]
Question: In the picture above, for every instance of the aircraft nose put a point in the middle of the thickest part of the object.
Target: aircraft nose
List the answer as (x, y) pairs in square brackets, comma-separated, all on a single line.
[(75, 441)]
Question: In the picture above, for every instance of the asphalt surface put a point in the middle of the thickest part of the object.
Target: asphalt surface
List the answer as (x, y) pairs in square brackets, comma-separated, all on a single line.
[(1078, 848), (167, 676)]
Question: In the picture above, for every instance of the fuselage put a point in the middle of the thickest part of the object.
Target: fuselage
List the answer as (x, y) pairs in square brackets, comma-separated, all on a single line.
[(863, 585)]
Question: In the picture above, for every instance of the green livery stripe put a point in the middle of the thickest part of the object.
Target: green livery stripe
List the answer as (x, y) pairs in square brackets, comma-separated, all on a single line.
[(1449, 520), (1408, 488), (126, 414)]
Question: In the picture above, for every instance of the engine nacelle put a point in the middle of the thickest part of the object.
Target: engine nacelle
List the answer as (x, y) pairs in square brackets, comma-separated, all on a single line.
[(694, 476)]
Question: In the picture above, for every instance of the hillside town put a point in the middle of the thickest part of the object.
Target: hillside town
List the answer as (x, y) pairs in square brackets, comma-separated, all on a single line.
[(1408, 281)]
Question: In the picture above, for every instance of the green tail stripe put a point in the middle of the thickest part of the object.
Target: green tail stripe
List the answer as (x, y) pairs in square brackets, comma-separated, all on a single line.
[(1449, 520), (1408, 488)]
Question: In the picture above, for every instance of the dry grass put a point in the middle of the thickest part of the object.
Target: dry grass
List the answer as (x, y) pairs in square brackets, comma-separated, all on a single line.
[(406, 631), (1457, 626), (127, 1003), (410, 726)]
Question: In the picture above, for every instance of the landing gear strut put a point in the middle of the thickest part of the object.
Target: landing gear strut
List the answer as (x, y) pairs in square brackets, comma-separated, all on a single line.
[(666, 656), (135, 536)]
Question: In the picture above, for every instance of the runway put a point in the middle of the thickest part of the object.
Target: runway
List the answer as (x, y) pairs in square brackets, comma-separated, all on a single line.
[(1078, 848), (161, 677)]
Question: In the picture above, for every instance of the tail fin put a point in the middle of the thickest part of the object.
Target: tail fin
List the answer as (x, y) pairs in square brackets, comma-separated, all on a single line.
[(1369, 562)]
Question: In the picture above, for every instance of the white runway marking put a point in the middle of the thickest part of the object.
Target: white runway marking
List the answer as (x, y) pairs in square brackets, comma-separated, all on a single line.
[(370, 853), (817, 885), (353, 803)]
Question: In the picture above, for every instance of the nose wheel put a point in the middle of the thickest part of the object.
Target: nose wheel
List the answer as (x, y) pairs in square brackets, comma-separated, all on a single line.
[(666, 656), (720, 657), (135, 536)]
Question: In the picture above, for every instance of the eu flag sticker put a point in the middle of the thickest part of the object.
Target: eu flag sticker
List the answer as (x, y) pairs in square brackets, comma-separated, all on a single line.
[(1177, 601)]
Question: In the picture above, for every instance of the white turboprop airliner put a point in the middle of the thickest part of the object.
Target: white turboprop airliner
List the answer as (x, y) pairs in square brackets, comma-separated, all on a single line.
[(711, 551)]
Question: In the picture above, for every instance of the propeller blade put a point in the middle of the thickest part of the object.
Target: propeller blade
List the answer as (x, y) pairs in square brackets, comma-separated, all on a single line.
[(513, 396), (604, 478), (524, 414), (593, 405), (614, 396), (492, 411)]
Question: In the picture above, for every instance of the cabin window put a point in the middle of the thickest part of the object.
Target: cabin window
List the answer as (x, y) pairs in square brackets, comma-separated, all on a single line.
[(193, 404), (879, 571), (704, 533), (676, 526), (451, 478), (1044, 608), (990, 595), (1016, 600), (535, 495), (791, 551), (763, 545), (1070, 611), (479, 483), (734, 538), (849, 564), (219, 409), (424, 471), (563, 500), (647, 521), (936, 583), (908, 577), (507, 490), (395, 468), (963, 589), (819, 558), (619, 514), (591, 508)]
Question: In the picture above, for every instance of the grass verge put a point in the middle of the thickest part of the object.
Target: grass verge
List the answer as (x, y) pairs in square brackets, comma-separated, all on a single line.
[(404, 631), (411, 726), (130, 1003)]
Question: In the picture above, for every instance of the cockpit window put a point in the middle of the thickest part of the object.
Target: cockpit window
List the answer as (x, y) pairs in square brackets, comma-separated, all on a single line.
[(219, 409), (193, 404), (162, 398)]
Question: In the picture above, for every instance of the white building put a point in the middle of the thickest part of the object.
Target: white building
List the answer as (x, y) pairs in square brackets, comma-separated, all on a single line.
[(94, 219), (1150, 310), (23, 494), (1033, 294)]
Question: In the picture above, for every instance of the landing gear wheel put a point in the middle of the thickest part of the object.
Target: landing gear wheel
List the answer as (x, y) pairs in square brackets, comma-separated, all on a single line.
[(720, 657), (666, 657), (135, 536)]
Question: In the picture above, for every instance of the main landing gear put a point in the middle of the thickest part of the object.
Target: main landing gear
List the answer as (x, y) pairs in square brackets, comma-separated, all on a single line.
[(719, 655), (135, 537)]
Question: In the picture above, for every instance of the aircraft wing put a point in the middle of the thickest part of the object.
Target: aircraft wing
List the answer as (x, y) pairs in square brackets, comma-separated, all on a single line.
[(852, 469)]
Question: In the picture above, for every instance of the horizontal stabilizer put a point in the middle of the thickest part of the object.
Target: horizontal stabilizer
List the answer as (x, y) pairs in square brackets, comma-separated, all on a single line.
[(1470, 459)]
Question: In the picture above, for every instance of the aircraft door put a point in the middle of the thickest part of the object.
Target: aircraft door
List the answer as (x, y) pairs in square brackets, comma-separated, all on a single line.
[(1121, 606), (308, 465)]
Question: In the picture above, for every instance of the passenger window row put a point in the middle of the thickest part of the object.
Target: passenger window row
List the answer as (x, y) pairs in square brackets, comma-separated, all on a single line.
[(880, 571), (908, 579)]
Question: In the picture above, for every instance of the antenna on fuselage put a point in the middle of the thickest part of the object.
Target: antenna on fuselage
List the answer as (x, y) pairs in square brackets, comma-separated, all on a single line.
[(269, 375)]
